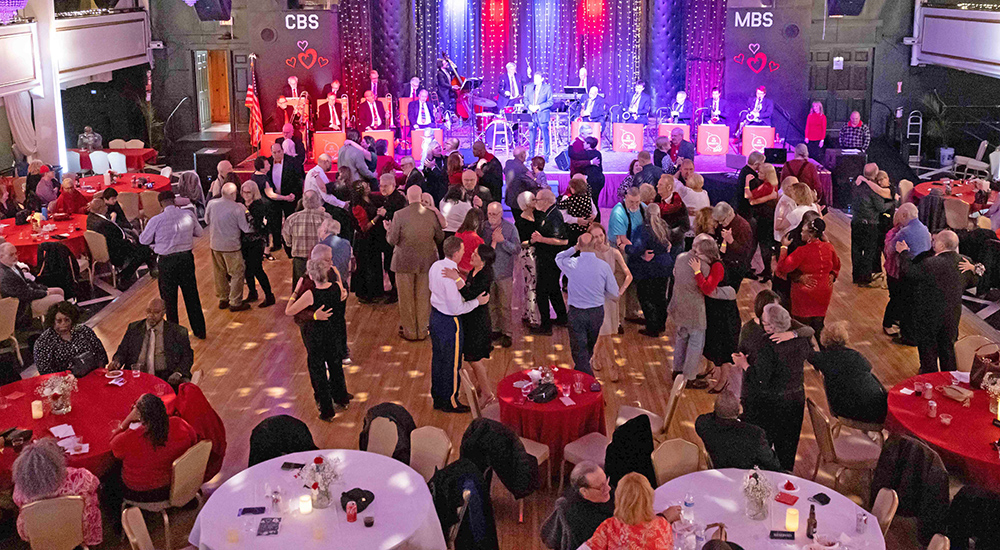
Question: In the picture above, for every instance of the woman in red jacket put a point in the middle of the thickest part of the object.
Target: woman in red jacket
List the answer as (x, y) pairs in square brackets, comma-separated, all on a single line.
[(819, 265), (816, 131)]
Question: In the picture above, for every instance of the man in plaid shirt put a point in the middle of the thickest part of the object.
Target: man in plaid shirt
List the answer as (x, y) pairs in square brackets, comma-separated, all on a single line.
[(855, 134), (301, 231)]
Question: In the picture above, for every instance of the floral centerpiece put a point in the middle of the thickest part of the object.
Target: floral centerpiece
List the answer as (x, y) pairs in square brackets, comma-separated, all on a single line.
[(318, 476), (758, 492), (58, 390), (991, 383)]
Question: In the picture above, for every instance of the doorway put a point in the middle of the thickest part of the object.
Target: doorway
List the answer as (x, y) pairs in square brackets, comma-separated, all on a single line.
[(212, 83)]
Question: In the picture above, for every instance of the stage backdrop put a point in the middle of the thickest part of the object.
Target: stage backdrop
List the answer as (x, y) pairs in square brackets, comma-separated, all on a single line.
[(769, 46), (305, 44)]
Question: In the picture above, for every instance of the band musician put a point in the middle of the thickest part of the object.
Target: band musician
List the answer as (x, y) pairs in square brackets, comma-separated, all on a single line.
[(638, 105), (538, 98), (412, 88), (759, 109), (680, 109), (291, 90), (378, 88), (330, 116), (331, 88), (582, 81), (420, 113), (592, 108), (445, 90), (714, 109), (510, 87), (371, 114)]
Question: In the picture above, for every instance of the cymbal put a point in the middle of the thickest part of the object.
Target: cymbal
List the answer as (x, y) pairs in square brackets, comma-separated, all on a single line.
[(486, 114), (483, 102)]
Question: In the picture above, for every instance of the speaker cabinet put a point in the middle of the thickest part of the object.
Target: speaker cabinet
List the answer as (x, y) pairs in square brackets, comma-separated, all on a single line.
[(214, 10)]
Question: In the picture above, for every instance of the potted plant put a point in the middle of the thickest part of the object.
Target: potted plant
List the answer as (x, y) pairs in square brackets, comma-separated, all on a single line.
[(937, 125)]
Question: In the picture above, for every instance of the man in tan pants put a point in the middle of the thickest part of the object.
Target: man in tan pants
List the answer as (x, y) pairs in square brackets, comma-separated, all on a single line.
[(15, 284), (414, 234), (227, 221)]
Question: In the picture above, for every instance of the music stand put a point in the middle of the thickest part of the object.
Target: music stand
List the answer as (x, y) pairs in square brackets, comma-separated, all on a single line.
[(578, 90)]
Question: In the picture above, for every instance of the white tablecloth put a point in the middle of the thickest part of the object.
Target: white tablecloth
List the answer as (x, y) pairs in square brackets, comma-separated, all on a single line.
[(719, 498), (404, 513)]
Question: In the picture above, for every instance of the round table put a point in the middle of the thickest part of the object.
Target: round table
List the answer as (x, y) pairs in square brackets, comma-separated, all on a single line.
[(554, 423), (98, 407), (960, 189), (70, 230), (135, 159), (89, 186), (966, 442), (719, 498), (404, 512)]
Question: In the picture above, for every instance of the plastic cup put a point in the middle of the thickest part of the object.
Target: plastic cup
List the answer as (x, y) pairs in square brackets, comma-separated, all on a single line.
[(945, 419)]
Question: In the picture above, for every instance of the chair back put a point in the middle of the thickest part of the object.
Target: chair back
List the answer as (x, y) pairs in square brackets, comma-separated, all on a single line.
[(54, 523), (453, 531), (73, 162), (675, 396), (982, 222), (8, 315), (117, 144), (822, 431), (939, 542), (135, 529), (383, 436), (135, 144), (189, 473), (166, 172), (470, 394), (956, 213), (674, 458), (150, 203), (982, 150), (430, 448), (130, 204), (965, 350), (98, 246), (99, 162), (117, 161), (18, 186), (884, 508), (905, 188)]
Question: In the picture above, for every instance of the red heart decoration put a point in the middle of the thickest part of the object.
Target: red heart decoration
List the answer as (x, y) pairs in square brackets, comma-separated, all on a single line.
[(308, 58), (739, 59), (323, 62), (756, 63), (773, 66), (291, 62)]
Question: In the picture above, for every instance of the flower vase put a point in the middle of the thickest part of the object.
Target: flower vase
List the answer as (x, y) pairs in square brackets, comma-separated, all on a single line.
[(756, 508), (321, 498), (59, 403)]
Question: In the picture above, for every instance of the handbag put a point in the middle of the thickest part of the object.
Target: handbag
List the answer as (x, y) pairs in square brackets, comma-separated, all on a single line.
[(83, 364), (985, 361), (543, 393), (361, 497)]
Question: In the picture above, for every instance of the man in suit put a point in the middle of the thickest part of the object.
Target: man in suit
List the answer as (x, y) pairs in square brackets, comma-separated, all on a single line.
[(292, 90), (378, 88), (445, 91), (33, 299), (581, 81), (680, 109), (353, 158), (283, 189), (732, 443), (331, 88), (763, 106), (413, 176), (715, 108), (510, 87), (414, 232), (592, 109), (412, 88), (638, 105), (371, 114), (156, 346), (125, 254), (288, 133), (538, 98), (937, 285), (331, 115), (419, 112)]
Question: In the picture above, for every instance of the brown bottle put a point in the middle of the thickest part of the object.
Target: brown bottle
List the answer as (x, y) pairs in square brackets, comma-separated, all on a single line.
[(811, 522)]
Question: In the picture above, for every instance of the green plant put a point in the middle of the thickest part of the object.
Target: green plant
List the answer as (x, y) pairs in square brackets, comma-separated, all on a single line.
[(937, 121), (154, 126)]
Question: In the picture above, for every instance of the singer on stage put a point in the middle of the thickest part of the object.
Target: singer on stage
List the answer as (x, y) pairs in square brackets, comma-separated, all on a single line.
[(538, 97)]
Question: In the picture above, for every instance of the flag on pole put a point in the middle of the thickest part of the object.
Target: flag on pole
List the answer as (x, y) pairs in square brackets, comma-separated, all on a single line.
[(253, 103)]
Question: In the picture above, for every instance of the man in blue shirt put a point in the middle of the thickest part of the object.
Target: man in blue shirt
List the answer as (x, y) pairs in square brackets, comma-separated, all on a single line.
[(626, 218), (590, 281)]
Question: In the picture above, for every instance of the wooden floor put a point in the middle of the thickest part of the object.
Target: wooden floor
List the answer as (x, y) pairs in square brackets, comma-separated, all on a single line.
[(254, 365)]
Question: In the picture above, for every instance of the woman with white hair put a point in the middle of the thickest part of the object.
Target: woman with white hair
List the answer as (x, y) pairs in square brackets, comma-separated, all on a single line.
[(253, 244), (190, 192), (526, 224), (722, 315), (40, 472)]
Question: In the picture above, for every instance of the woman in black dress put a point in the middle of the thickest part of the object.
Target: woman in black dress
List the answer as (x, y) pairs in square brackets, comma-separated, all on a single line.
[(324, 336), (722, 315), (367, 282), (526, 224), (476, 324), (253, 244)]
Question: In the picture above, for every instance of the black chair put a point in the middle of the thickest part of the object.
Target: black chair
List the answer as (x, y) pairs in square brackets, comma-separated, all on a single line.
[(278, 436)]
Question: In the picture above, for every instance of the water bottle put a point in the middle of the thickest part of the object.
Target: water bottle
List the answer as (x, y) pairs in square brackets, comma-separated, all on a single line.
[(45, 213), (699, 537)]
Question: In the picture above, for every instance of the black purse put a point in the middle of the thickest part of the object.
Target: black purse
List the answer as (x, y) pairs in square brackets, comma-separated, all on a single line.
[(83, 364), (360, 497), (543, 393)]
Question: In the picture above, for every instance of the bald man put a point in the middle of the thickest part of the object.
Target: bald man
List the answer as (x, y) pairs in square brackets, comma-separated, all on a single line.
[(156, 346), (125, 253), (414, 233), (224, 175), (502, 236), (549, 240), (33, 298), (288, 133), (227, 221), (317, 181)]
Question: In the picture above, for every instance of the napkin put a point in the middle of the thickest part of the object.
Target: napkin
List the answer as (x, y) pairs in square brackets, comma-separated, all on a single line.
[(960, 376), (81, 450), (567, 401), (62, 431), (68, 443), (906, 391), (117, 382), (15, 395)]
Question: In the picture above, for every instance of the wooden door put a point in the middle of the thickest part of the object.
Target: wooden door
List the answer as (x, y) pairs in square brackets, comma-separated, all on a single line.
[(841, 91), (218, 83), (241, 81), (202, 89)]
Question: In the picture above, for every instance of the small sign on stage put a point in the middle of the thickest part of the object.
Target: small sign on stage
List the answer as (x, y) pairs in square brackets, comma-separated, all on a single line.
[(713, 139), (595, 129), (328, 143), (627, 138), (757, 138)]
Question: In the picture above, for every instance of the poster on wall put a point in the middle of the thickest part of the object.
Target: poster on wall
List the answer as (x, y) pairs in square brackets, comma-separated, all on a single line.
[(303, 44), (769, 47)]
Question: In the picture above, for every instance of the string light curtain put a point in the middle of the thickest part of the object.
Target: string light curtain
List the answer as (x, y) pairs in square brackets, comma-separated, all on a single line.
[(356, 38), (550, 37), (705, 28), (460, 35), (496, 47)]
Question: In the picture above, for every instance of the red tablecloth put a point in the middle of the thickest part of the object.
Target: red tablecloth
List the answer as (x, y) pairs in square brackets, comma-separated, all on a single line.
[(27, 245), (135, 159), (552, 423), (960, 189), (97, 408), (965, 443), (92, 184)]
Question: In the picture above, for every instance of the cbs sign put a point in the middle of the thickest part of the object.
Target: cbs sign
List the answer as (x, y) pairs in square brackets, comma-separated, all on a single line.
[(301, 22)]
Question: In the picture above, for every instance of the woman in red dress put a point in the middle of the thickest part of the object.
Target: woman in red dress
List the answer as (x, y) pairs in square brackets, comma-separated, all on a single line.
[(819, 265)]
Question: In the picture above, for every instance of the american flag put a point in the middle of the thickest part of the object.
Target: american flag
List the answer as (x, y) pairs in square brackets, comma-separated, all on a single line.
[(253, 103)]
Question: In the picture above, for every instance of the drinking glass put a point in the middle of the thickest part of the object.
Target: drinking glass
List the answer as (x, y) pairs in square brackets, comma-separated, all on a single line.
[(578, 382), (525, 390), (135, 371), (565, 390)]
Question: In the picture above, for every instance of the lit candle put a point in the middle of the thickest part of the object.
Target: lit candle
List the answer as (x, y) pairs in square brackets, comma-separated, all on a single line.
[(305, 504), (792, 520), (36, 410)]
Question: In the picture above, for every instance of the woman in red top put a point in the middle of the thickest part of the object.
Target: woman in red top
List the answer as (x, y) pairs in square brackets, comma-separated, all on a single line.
[(816, 130), (469, 233), (70, 200), (819, 266), (455, 166), (635, 526), (148, 451)]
